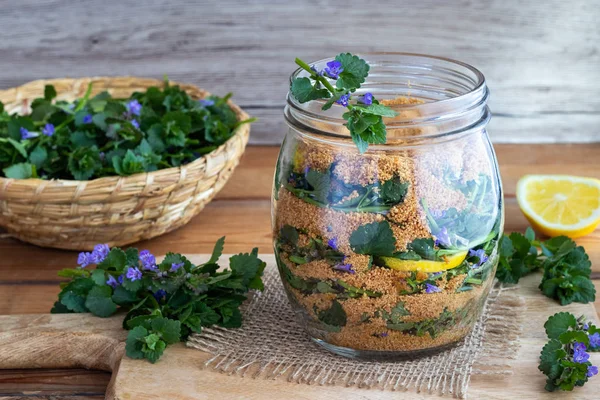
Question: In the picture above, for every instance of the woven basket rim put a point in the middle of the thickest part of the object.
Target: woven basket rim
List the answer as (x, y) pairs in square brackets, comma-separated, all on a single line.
[(240, 130)]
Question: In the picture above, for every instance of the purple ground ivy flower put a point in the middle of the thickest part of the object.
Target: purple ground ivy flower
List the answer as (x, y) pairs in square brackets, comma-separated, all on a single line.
[(592, 370), (135, 124), (84, 259), (87, 119), (429, 288), (345, 268), (442, 238), (586, 327), (480, 254), (437, 214), (100, 252), (333, 69), (367, 99), (48, 130), (579, 354), (112, 282), (206, 102), (175, 266), (134, 107), (148, 260), (133, 274), (120, 279), (578, 346), (159, 294), (102, 156), (343, 100), (25, 134), (333, 243), (595, 340)]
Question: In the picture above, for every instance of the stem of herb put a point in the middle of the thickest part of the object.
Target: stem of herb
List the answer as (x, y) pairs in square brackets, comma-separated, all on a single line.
[(80, 105), (324, 81), (432, 222), (297, 259)]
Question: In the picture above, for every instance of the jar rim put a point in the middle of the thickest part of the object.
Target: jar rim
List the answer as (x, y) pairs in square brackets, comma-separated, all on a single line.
[(480, 77), (470, 99)]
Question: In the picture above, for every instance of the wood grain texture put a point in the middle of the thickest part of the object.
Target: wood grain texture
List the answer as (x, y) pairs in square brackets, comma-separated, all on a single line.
[(62, 340), (28, 281), (540, 58), (72, 384)]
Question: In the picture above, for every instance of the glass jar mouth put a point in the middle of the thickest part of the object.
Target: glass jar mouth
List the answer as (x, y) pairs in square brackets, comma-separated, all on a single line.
[(441, 97)]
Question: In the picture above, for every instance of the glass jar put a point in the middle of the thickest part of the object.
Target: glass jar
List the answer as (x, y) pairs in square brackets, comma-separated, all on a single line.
[(391, 253)]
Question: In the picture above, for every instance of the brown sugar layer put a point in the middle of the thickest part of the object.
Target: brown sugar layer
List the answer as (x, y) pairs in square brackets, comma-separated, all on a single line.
[(352, 167), (438, 195), (319, 221), (363, 338)]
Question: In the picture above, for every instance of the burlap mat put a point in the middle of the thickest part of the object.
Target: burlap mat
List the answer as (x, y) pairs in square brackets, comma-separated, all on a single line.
[(271, 345)]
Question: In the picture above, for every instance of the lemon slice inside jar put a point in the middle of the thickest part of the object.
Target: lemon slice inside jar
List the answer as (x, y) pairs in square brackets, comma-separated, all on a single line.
[(449, 262)]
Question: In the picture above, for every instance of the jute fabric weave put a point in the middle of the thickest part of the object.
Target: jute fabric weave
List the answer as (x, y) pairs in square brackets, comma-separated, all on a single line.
[(272, 345)]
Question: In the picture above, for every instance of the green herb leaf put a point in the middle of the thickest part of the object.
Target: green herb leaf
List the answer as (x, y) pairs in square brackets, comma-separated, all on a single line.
[(169, 329), (303, 90), (375, 238), (99, 301), (134, 343), (116, 260), (333, 316), (49, 92), (379, 109), (20, 171), (394, 191), (247, 265), (38, 157), (217, 251), (355, 71), (320, 183)]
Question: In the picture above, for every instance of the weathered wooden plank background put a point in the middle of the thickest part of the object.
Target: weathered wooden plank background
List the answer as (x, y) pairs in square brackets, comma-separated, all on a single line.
[(541, 59)]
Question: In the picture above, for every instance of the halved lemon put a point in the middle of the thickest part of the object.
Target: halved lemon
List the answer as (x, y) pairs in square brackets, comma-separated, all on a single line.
[(449, 262), (560, 204)]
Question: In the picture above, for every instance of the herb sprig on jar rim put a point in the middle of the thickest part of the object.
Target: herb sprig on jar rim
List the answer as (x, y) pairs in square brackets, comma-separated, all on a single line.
[(93, 137), (364, 118)]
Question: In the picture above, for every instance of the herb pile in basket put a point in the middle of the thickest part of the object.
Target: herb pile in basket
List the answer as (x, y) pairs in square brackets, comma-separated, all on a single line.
[(101, 136), (165, 301)]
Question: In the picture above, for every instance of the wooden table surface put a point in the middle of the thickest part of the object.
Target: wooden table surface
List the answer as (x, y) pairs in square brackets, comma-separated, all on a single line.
[(28, 281)]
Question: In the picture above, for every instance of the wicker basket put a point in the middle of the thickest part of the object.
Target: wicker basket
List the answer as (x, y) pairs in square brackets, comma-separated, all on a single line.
[(116, 210)]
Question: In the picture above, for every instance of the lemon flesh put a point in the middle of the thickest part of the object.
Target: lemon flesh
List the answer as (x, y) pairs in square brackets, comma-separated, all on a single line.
[(449, 262), (560, 204)]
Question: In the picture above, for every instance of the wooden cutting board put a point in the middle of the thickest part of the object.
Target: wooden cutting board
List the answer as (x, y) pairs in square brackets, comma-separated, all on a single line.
[(84, 341)]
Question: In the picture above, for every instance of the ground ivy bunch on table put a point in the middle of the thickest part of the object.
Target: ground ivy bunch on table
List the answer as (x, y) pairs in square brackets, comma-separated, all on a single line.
[(566, 266), (165, 301), (101, 136), (565, 359), (364, 116)]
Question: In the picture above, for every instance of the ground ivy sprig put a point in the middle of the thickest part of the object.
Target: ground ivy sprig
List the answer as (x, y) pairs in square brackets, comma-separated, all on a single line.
[(566, 266), (165, 301), (565, 359), (364, 118), (101, 136)]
